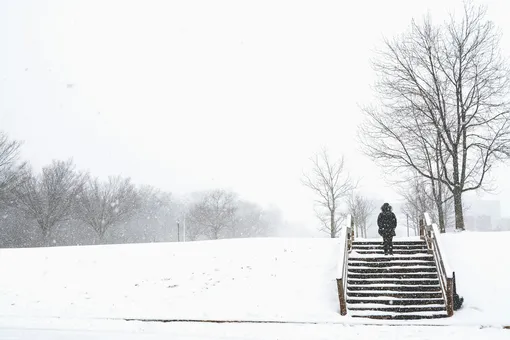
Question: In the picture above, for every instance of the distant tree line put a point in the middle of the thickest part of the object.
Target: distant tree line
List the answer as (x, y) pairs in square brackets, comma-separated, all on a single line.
[(62, 205)]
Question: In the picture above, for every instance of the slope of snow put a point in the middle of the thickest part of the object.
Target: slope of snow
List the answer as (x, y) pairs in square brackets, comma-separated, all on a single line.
[(479, 260), (275, 279), (482, 270), (247, 279)]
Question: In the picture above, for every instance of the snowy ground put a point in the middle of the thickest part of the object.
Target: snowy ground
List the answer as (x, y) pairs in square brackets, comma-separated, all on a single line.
[(482, 270), (81, 292), (271, 279), (117, 330)]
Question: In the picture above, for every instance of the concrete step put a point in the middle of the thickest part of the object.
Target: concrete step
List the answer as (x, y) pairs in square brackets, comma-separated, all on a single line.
[(392, 275), (394, 302), (395, 251), (379, 294), (393, 258), (391, 270), (395, 263), (418, 282), (396, 288), (396, 309), (398, 316), (395, 241), (395, 247)]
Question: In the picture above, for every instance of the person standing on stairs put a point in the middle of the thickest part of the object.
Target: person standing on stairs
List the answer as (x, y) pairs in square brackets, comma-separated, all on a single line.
[(387, 222)]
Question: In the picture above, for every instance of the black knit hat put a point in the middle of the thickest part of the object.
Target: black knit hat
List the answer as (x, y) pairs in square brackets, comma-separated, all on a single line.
[(386, 207)]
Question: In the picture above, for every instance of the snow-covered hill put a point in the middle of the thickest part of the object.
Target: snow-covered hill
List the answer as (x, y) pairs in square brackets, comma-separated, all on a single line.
[(481, 261), (247, 280)]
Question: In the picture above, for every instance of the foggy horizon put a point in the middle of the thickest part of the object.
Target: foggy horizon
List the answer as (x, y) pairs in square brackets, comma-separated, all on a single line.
[(191, 96)]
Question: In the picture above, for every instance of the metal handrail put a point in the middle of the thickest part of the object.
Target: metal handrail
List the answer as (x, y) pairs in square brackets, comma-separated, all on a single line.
[(346, 239), (430, 233)]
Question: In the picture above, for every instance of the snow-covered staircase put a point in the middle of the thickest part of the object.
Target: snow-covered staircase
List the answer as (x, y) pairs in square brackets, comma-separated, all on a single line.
[(402, 286)]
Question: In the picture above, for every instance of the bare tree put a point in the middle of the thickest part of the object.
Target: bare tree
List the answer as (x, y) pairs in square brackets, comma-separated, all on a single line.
[(330, 184), (16, 230), (157, 214), (194, 226), (417, 200), (249, 221), (49, 197), (212, 215), (11, 168), (360, 209), (104, 204), (446, 87)]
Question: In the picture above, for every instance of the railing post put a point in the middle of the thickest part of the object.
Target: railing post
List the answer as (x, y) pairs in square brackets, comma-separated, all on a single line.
[(352, 232), (347, 236), (422, 228), (449, 296), (341, 296)]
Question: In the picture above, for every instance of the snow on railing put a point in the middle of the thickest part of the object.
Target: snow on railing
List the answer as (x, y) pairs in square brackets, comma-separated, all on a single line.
[(428, 220), (436, 233), (346, 237), (430, 232), (343, 247)]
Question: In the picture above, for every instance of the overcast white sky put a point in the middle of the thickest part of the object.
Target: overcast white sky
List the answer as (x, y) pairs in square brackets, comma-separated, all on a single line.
[(191, 95)]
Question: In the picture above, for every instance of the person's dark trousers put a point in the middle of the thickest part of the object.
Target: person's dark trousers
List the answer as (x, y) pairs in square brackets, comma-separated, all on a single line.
[(388, 244)]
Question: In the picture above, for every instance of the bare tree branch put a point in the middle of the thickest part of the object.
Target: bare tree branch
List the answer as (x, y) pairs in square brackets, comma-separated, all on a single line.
[(444, 110), (102, 205), (330, 184), (360, 209), (50, 197), (214, 213)]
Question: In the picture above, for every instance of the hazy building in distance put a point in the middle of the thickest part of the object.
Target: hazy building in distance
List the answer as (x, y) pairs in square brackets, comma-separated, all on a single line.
[(503, 225)]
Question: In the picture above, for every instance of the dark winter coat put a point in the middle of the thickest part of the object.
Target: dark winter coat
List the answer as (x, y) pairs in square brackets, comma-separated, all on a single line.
[(387, 222)]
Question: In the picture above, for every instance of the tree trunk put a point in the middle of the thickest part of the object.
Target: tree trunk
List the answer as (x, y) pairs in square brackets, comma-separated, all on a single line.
[(332, 227), (437, 192), (440, 216), (459, 213), (440, 209), (46, 242), (216, 233)]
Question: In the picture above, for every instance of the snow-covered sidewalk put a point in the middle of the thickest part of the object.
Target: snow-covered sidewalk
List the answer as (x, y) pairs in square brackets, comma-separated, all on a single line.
[(28, 329)]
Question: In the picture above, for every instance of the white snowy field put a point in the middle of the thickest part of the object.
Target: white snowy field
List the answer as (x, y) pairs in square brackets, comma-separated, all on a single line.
[(82, 291), (247, 279), (481, 261)]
